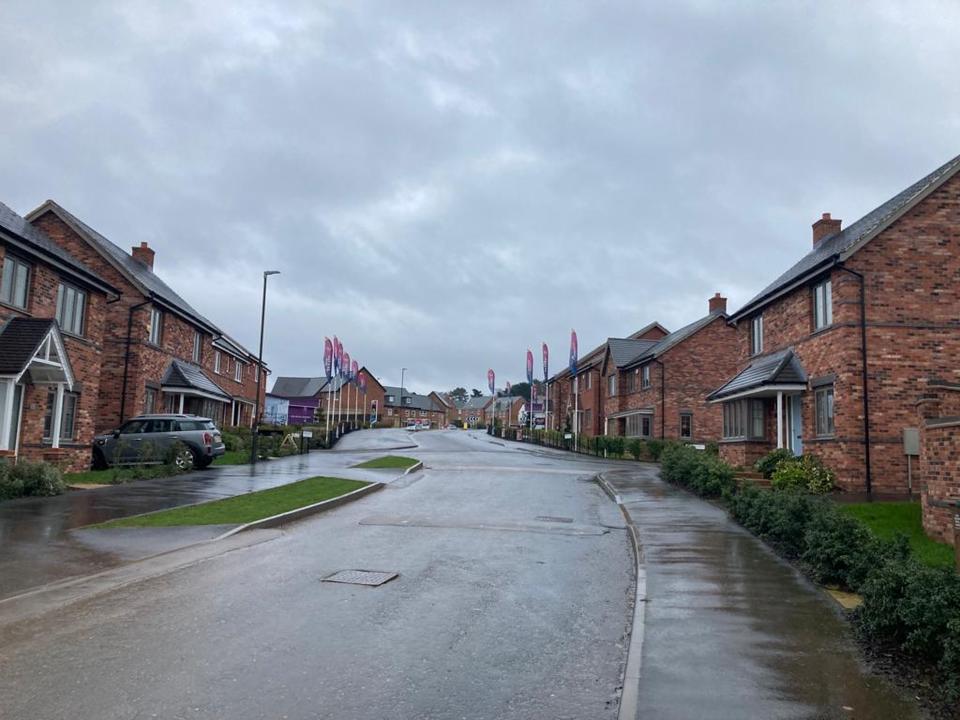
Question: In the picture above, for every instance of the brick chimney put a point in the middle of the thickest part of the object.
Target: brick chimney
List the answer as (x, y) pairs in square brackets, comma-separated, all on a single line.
[(144, 254), (718, 303), (825, 227)]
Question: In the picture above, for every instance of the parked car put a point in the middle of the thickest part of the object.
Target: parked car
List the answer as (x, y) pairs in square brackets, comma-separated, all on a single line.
[(151, 439)]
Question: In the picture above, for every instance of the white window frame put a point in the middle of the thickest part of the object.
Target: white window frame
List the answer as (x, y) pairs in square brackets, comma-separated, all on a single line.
[(612, 386), (645, 377), (73, 299), (689, 417), (216, 361), (238, 371), (156, 326), (756, 334), (822, 305), (12, 280), (68, 397), (197, 346)]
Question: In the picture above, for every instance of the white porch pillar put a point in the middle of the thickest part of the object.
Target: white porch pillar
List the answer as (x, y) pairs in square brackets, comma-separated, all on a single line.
[(56, 417), (6, 413), (181, 403), (779, 419)]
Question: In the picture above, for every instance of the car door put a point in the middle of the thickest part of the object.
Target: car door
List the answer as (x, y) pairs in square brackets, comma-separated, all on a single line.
[(122, 448), (155, 441)]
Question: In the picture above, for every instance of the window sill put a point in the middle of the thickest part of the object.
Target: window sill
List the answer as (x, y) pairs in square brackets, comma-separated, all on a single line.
[(78, 338), (827, 438), (16, 308), (821, 331)]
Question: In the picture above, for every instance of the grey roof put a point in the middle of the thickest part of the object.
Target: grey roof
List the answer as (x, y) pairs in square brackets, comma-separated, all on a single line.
[(506, 402), (841, 245), (289, 387), (227, 343), (779, 368), (20, 338), (598, 353), (187, 375), (138, 273), (417, 401), (676, 337), (624, 350), (38, 241), (476, 402)]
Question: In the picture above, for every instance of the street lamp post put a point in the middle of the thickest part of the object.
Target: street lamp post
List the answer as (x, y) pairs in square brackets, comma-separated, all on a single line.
[(263, 318), (403, 372)]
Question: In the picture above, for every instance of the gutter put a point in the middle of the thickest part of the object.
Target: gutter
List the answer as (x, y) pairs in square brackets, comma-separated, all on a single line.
[(663, 399), (863, 361), (126, 357)]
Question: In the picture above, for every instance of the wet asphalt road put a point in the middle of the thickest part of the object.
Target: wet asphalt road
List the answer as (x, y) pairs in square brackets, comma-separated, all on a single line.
[(513, 601)]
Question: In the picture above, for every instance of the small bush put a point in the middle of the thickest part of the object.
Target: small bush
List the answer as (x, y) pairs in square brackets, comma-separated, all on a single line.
[(616, 446), (637, 448), (10, 486), (32, 479), (655, 449), (697, 470), (805, 473), (769, 462)]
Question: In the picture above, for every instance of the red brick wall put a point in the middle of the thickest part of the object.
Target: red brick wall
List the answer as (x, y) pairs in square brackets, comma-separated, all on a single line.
[(938, 467), (84, 354), (913, 333)]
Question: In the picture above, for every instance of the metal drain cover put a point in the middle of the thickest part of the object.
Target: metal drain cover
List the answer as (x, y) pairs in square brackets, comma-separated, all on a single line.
[(553, 518), (361, 577)]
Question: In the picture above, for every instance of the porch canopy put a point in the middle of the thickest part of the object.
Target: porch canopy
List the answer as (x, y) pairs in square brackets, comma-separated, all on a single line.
[(770, 376), (628, 413), (188, 380), (31, 353)]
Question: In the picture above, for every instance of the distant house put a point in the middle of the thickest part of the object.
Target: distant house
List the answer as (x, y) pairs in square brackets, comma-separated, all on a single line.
[(473, 411), (302, 396), (403, 407)]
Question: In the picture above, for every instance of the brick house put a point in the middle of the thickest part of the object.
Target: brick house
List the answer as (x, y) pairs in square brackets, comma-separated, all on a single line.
[(159, 354), (303, 396), (473, 411), (506, 410), (53, 311), (402, 406), (588, 384), (659, 388), (835, 351)]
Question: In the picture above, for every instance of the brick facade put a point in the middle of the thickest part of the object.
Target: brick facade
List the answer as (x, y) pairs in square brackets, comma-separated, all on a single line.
[(85, 357), (938, 466), (146, 362), (912, 332)]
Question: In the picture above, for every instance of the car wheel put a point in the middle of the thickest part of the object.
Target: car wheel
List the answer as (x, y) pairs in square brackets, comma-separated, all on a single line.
[(99, 461), (183, 458)]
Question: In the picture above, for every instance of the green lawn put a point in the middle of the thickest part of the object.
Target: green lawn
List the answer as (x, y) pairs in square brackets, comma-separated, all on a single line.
[(389, 461), (244, 508), (233, 457), (887, 519)]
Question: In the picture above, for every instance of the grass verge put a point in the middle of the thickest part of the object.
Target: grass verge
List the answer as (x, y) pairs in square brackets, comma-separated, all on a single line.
[(389, 461), (233, 457), (889, 519), (244, 508)]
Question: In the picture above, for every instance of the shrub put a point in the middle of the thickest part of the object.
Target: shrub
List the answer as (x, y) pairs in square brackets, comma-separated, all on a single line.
[(10, 486), (769, 462), (38, 479), (703, 473), (236, 439), (655, 449), (616, 446), (637, 448), (805, 473)]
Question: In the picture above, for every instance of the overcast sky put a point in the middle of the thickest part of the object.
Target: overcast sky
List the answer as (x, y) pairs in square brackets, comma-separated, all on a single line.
[(444, 184)]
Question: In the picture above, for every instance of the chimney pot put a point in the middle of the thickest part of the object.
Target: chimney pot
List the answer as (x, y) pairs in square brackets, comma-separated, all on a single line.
[(143, 254), (824, 228), (718, 303)]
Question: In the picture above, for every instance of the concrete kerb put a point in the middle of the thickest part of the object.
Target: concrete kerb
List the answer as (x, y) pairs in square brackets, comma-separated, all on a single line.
[(302, 512), (413, 468), (631, 675)]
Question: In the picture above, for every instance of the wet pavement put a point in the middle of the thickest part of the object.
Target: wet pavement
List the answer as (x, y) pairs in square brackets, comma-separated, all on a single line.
[(513, 601), (39, 543), (731, 631)]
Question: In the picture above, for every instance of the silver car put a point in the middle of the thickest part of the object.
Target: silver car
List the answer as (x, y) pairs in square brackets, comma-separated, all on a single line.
[(192, 441)]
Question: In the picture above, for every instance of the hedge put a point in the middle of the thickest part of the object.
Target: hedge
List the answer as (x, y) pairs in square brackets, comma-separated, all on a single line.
[(907, 606), (30, 479)]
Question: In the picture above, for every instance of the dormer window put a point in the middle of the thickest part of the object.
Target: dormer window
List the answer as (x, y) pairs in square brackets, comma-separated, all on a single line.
[(391, 398), (756, 335)]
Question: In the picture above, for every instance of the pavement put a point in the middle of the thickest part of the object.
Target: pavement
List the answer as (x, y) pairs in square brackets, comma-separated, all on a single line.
[(39, 538), (513, 600)]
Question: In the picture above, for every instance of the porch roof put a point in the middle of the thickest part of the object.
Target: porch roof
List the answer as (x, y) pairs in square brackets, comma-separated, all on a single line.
[(775, 372), (628, 413), (34, 346), (189, 379)]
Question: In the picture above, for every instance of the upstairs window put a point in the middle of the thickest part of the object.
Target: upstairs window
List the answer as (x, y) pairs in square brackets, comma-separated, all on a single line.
[(216, 361), (612, 386), (156, 326), (756, 335), (71, 303), (197, 347), (645, 376), (391, 398), (822, 305), (238, 371), (14, 282)]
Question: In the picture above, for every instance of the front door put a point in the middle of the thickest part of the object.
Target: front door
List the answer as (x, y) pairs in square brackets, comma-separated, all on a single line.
[(795, 424)]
